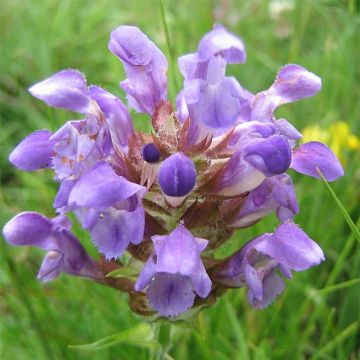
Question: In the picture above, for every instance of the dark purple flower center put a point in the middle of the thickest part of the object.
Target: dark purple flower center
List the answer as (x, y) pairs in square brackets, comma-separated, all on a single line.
[(150, 153)]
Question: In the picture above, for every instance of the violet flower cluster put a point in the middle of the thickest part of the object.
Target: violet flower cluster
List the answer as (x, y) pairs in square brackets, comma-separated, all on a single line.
[(216, 162)]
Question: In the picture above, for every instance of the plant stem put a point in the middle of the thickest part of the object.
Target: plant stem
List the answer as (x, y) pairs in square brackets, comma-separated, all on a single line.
[(163, 334), (168, 43)]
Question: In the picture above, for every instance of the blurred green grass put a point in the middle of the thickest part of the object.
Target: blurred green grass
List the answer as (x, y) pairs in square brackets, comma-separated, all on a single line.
[(41, 37)]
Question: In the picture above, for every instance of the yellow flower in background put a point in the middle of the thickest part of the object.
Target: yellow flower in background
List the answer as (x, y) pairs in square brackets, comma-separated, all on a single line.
[(338, 137)]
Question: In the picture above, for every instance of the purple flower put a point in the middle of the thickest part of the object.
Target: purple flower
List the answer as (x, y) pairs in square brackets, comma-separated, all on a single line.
[(217, 43), (145, 66), (293, 82), (66, 89), (177, 175), (311, 156), (64, 251), (252, 163), (214, 102), (34, 152), (254, 266), (109, 206), (175, 273), (274, 194)]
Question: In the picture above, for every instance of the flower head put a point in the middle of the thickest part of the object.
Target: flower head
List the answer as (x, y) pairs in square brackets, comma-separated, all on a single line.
[(217, 163)]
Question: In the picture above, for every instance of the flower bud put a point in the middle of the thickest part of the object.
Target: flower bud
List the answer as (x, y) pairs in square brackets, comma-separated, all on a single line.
[(150, 153), (177, 175)]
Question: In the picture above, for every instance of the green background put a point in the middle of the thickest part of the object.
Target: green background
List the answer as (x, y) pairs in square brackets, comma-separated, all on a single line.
[(312, 318)]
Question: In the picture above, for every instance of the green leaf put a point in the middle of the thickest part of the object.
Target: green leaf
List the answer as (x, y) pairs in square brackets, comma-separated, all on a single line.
[(141, 335), (125, 271)]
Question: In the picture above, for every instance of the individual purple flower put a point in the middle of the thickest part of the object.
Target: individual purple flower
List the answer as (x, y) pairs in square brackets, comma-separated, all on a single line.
[(145, 66), (251, 164), (34, 152), (64, 251), (175, 273), (293, 82), (109, 206), (66, 89), (217, 43), (310, 157), (177, 177), (213, 101), (255, 265), (274, 194)]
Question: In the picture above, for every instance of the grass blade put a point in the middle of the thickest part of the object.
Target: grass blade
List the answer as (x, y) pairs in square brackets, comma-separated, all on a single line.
[(341, 207), (141, 335)]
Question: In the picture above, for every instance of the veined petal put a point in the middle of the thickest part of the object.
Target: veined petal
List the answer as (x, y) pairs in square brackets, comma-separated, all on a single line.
[(115, 229), (290, 246), (101, 187), (66, 89), (170, 294), (309, 157), (34, 152)]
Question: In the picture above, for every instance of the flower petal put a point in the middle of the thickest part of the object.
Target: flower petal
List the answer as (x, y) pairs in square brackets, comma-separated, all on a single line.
[(293, 82), (176, 253), (221, 42), (273, 285), (271, 156), (101, 187), (254, 280), (170, 294), (117, 116), (177, 175), (30, 228), (290, 246), (50, 267), (34, 152), (147, 273), (201, 281), (312, 155), (66, 89), (145, 66), (115, 229)]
